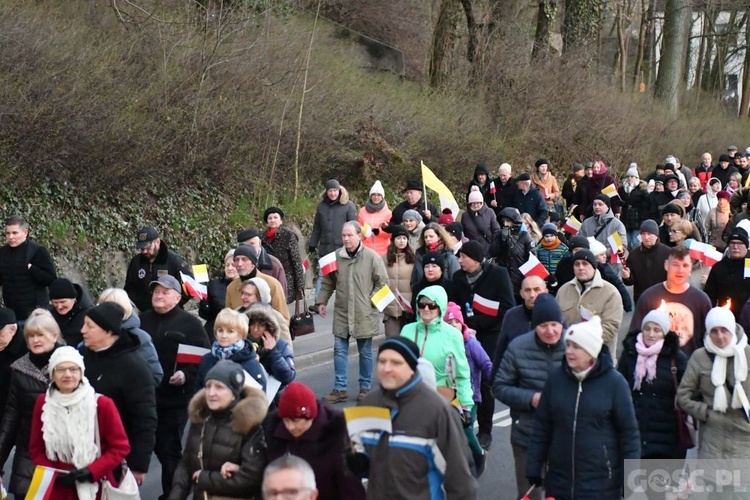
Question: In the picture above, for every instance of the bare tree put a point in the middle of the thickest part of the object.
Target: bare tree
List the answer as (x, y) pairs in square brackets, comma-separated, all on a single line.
[(544, 22), (669, 81)]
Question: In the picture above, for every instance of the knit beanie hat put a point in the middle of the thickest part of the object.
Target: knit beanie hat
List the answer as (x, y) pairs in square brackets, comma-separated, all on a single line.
[(473, 250), (398, 230), (720, 316), (604, 199), (540, 162), (377, 188), (433, 258), (108, 316), (273, 210), (672, 208), (332, 184), (545, 309), (246, 234), (413, 215), (725, 157), (649, 226), (739, 234), (585, 255), (587, 335), (724, 195), (476, 197), (298, 401), (632, 171), (578, 242), (481, 168), (246, 251), (7, 317), (405, 347), (228, 373), (453, 311), (549, 228), (597, 247), (66, 354), (523, 177), (577, 167), (62, 288), (661, 318), (455, 229), (446, 217)]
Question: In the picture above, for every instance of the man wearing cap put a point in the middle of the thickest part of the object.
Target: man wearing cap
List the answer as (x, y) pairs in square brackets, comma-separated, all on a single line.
[(686, 305), (485, 293), (26, 270), (12, 347), (170, 326), (245, 260), (731, 151), (413, 201), (724, 169), (727, 279), (604, 224), (454, 237), (69, 305), (426, 434), (154, 259), (523, 374), (333, 211), (529, 200), (645, 264), (360, 274), (505, 187), (116, 369), (479, 223), (267, 263), (587, 295)]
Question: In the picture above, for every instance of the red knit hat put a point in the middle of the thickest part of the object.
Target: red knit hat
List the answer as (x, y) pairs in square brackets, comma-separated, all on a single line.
[(298, 401)]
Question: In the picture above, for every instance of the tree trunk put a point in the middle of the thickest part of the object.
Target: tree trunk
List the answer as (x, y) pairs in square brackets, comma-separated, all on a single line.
[(669, 82), (442, 41), (640, 54), (745, 97), (544, 21), (581, 26)]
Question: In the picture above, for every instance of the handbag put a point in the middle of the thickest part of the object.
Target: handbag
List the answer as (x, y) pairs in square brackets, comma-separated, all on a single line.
[(301, 324), (128, 487), (686, 426)]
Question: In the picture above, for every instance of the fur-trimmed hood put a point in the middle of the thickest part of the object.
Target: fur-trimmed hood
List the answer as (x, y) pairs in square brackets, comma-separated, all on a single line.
[(343, 196), (264, 313), (248, 412)]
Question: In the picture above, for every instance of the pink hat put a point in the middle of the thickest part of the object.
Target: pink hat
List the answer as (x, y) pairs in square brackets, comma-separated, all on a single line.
[(453, 311)]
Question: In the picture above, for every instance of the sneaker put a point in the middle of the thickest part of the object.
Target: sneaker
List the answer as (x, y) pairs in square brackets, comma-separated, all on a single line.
[(336, 397), (485, 440), (480, 463), (313, 309), (362, 394)]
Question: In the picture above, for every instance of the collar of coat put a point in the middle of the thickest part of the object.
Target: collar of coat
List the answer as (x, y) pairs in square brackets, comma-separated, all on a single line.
[(246, 414)]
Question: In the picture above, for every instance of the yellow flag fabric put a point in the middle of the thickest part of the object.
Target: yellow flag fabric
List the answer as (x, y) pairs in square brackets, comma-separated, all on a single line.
[(446, 197)]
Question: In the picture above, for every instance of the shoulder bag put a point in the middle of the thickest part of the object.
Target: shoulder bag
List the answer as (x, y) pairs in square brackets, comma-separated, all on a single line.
[(685, 424), (301, 324), (128, 487)]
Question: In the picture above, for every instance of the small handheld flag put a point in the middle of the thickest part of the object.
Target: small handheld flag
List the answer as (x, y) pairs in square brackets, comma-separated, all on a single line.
[(610, 191), (367, 418), (193, 288), (306, 263), (190, 354), (493, 189), (328, 264), (382, 298), (533, 267), (747, 268), (42, 483), (572, 225), (405, 305), (200, 271), (366, 230)]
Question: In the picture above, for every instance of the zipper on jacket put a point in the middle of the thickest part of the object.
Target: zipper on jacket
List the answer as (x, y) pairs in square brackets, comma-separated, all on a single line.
[(606, 459), (573, 448)]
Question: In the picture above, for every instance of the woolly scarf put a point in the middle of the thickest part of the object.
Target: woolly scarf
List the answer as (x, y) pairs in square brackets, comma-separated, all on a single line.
[(374, 207), (550, 245), (646, 363), (228, 351), (68, 429), (736, 350), (271, 234), (433, 247)]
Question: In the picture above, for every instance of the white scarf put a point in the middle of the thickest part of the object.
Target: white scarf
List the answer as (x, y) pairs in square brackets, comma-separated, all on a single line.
[(736, 350), (68, 429)]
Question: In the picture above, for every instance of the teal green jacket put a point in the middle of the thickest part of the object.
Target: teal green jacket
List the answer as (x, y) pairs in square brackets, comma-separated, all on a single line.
[(437, 342)]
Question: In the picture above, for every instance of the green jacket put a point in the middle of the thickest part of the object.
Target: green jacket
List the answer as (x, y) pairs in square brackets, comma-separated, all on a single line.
[(440, 340)]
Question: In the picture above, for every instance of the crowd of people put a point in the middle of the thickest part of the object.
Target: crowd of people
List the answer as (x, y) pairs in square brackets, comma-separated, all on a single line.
[(95, 388)]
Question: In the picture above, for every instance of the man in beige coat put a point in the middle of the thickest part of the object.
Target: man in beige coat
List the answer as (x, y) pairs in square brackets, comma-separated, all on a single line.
[(587, 295), (245, 260), (360, 274)]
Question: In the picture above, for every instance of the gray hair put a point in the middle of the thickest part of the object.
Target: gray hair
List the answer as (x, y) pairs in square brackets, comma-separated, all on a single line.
[(291, 462), (354, 225)]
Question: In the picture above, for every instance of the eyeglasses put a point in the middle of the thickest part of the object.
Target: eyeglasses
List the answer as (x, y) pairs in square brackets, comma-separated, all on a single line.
[(247, 294), (285, 494), (428, 305), (736, 244), (675, 231), (67, 369)]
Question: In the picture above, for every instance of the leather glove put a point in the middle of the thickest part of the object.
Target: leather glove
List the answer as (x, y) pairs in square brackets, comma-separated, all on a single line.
[(76, 475), (534, 480), (465, 418), (375, 231), (358, 463), (310, 249)]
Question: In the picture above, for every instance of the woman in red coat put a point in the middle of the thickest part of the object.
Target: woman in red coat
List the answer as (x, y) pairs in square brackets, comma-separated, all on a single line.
[(64, 427)]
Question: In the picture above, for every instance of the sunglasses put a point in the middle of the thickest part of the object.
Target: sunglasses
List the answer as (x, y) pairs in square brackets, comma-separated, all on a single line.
[(428, 305)]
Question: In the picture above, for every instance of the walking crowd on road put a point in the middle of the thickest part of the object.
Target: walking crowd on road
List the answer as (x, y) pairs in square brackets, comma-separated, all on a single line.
[(519, 297)]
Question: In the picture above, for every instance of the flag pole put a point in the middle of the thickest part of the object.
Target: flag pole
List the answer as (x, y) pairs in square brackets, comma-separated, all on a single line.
[(424, 194)]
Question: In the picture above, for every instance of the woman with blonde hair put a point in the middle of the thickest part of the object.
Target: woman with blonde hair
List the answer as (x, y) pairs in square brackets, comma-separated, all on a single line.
[(29, 380), (532, 228)]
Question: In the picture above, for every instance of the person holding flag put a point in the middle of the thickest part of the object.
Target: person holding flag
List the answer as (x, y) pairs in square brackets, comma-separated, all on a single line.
[(484, 292), (482, 183), (600, 180), (399, 264), (413, 193), (604, 224), (360, 273), (373, 214)]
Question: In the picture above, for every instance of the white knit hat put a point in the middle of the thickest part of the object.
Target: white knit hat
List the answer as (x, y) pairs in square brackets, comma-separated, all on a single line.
[(587, 335), (661, 318), (377, 188), (65, 354), (596, 246), (632, 170), (476, 197), (720, 316)]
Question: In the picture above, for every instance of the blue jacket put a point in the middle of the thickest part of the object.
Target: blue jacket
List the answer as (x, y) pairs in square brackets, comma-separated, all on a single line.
[(244, 357), (147, 349), (516, 322), (279, 361), (583, 431), (532, 203)]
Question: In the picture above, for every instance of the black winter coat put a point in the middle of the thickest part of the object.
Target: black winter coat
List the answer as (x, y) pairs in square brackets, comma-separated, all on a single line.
[(13, 351), (506, 193), (727, 281), (654, 402), (122, 374), (232, 435), (584, 431), (493, 285), (141, 273), (216, 301), (70, 324), (323, 446), (511, 249), (24, 286), (634, 208), (285, 247), (481, 226), (423, 283), (168, 331), (28, 382), (646, 267), (397, 217), (532, 203)]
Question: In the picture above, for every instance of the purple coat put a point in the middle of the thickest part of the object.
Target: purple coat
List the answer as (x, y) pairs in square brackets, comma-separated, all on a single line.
[(479, 364)]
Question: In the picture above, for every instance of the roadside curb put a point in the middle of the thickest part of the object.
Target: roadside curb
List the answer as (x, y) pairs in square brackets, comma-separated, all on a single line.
[(325, 355)]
